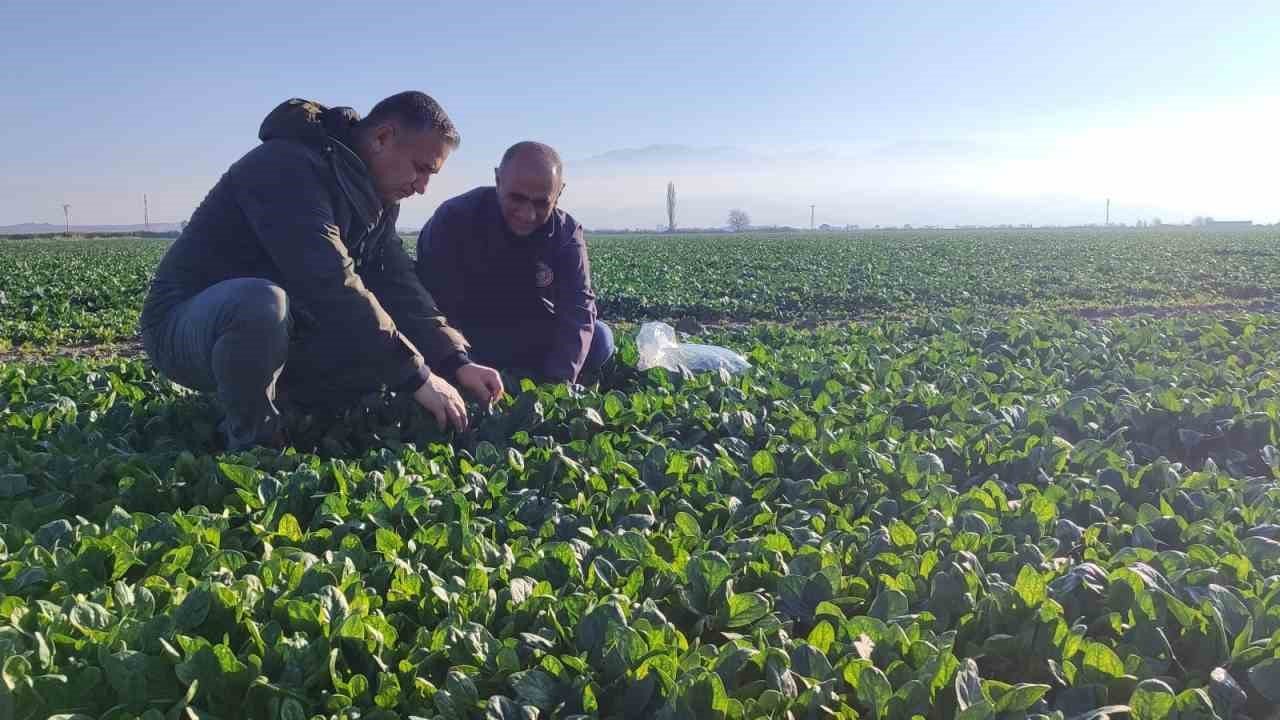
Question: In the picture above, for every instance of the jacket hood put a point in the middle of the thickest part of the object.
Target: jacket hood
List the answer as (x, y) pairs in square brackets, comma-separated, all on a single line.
[(307, 120), (315, 124)]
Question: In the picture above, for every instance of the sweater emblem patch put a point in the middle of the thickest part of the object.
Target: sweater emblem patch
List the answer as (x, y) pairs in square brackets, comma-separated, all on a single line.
[(542, 275)]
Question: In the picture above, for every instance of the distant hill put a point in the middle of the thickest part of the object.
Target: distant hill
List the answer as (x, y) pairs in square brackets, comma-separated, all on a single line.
[(45, 228), (671, 155)]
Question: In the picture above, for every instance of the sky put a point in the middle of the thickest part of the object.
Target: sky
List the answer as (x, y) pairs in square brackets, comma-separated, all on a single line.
[(877, 113)]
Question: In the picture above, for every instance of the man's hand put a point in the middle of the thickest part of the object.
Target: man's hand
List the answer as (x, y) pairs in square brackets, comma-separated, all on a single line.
[(482, 383), (443, 402)]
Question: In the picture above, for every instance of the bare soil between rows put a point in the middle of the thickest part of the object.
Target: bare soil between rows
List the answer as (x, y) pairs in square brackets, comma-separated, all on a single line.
[(90, 351)]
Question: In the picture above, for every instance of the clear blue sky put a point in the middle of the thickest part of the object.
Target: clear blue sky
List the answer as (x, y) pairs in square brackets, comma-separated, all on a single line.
[(903, 112)]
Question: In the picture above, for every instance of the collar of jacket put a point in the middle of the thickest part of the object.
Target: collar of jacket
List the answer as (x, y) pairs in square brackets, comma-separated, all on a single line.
[(372, 218), (354, 180)]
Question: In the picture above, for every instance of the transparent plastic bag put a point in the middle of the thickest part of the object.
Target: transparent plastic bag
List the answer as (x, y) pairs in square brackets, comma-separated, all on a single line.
[(658, 347)]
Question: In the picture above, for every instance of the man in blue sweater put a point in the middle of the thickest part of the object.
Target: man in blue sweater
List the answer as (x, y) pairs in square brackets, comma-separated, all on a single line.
[(509, 269)]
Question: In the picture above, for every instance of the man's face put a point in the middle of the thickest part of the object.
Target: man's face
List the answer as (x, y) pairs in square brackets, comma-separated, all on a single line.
[(401, 161), (528, 189)]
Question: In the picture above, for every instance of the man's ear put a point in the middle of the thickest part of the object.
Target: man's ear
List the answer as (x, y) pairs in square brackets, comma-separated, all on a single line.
[(382, 137)]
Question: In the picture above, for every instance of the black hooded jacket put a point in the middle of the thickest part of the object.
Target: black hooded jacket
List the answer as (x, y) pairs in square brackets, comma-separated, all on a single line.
[(300, 210)]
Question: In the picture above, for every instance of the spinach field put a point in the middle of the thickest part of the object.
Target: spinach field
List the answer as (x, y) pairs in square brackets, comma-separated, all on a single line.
[(57, 292), (979, 500)]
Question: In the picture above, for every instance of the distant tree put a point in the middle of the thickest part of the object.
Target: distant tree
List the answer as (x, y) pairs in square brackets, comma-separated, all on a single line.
[(182, 226), (739, 220), (1156, 222), (671, 207)]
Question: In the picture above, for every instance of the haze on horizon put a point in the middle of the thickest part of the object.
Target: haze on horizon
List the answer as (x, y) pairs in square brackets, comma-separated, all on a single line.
[(940, 113)]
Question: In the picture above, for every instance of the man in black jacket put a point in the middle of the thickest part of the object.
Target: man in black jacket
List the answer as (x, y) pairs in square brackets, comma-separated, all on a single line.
[(290, 274)]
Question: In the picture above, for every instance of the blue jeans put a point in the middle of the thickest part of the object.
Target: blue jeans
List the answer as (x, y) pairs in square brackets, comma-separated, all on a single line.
[(232, 339), (239, 340), (601, 348)]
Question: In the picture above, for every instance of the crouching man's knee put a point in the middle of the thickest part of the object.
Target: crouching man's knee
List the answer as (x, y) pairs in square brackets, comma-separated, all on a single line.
[(602, 347), (262, 310)]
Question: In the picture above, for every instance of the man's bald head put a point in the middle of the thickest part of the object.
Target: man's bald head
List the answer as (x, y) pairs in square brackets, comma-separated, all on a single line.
[(529, 181), (535, 154)]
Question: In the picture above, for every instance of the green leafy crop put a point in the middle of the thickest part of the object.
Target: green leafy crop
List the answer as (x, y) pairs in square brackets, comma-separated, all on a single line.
[(57, 292), (949, 517)]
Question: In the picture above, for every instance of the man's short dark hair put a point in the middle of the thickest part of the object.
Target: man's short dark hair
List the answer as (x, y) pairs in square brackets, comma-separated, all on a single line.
[(417, 111), (540, 150)]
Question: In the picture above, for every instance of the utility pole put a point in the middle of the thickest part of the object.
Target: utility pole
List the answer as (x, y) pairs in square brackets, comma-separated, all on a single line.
[(66, 217), (146, 216), (811, 207), (1107, 218)]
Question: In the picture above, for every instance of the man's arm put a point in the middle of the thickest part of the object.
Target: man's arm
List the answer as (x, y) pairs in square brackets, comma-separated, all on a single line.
[(414, 309), (575, 310), (289, 208), (415, 312), (439, 266)]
